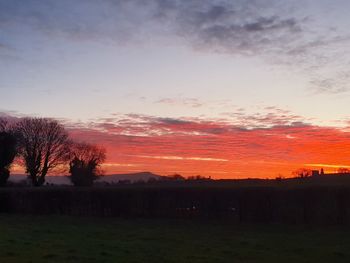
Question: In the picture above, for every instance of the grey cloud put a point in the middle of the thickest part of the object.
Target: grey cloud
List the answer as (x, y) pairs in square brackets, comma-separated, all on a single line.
[(3, 46), (173, 121), (214, 13), (266, 28), (272, 23), (145, 125), (336, 84), (226, 24), (250, 38), (189, 102), (275, 33), (328, 86), (7, 52), (80, 20), (231, 27), (266, 117)]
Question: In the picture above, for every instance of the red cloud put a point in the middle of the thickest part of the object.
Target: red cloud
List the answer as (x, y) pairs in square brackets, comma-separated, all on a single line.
[(214, 148)]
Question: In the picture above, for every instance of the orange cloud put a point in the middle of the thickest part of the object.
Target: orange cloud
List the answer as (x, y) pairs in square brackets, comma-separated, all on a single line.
[(215, 148)]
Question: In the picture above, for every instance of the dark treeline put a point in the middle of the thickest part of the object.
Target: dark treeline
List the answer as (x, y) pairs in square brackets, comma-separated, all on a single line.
[(41, 145), (306, 205)]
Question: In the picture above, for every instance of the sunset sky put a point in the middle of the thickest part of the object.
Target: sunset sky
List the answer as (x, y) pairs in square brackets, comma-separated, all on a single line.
[(227, 89)]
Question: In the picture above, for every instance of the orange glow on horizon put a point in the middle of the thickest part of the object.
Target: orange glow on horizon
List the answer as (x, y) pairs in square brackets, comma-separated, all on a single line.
[(218, 149), (215, 149)]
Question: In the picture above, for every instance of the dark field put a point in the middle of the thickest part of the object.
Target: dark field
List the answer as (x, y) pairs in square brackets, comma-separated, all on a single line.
[(74, 239)]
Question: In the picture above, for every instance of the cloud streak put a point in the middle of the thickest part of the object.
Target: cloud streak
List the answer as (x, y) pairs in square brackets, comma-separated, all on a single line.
[(184, 158), (187, 102)]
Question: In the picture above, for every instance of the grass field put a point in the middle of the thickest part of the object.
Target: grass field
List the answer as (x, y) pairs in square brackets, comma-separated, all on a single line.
[(72, 239)]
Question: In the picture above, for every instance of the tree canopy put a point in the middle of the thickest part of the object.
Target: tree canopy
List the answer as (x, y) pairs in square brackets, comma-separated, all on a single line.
[(85, 162), (8, 152), (44, 145)]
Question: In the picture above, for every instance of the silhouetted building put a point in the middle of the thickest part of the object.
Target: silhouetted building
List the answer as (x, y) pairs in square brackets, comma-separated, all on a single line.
[(315, 173)]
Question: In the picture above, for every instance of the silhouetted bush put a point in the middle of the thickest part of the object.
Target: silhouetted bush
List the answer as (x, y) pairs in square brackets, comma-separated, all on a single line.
[(84, 166), (8, 151)]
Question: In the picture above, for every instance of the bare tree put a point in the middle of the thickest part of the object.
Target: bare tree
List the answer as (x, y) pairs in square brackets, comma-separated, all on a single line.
[(85, 162), (8, 150), (44, 146), (3, 124)]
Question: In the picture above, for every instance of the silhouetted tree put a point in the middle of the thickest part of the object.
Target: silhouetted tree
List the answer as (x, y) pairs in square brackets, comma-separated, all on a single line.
[(44, 145), (302, 173), (177, 177), (85, 163), (8, 151), (343, 170), (198, 178)]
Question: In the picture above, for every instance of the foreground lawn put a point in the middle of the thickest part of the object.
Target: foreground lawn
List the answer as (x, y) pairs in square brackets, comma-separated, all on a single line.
[(71, 239)]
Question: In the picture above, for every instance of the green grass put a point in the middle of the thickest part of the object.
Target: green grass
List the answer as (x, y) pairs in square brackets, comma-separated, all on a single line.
[(72, 239)]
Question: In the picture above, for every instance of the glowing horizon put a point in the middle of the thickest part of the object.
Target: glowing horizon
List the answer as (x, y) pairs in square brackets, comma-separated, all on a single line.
[(214, 148), (227, 89)]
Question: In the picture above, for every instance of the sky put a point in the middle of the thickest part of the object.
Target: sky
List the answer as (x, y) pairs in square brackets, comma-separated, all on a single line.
[(227, 89)]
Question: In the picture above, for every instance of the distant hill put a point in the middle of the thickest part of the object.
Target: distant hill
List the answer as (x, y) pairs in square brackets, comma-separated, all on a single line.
[(113, 178), (133, 177), (58, 180)]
